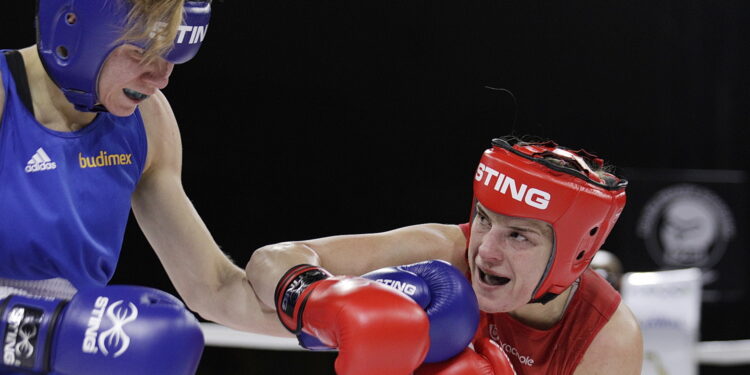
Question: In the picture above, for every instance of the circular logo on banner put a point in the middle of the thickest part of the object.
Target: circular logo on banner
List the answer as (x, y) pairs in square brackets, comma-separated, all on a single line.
[(686, 226)]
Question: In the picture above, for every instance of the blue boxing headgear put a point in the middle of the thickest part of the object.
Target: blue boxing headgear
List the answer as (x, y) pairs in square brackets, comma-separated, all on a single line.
[(74, 37)]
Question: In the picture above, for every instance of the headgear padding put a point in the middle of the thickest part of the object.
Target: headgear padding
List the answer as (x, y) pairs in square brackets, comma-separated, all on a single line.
[(517, 180), (74, 38)]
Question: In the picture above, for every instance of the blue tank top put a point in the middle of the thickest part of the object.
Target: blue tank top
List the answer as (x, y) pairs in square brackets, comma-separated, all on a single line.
[(65, 196)]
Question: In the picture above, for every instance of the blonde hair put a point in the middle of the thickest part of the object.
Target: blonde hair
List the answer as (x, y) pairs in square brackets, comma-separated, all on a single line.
[(145, 21)]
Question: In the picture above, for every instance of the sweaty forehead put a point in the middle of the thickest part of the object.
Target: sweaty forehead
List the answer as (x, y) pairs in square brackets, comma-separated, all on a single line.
[(539, 226)]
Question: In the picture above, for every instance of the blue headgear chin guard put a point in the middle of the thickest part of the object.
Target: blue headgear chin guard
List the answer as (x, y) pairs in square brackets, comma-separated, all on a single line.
[(74, 37)]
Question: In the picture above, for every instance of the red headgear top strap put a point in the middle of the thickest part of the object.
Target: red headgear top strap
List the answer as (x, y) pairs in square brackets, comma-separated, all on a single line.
[(521, 181)]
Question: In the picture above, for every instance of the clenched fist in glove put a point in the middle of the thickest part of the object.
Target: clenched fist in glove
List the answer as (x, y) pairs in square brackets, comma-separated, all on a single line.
[(447, 298), (376, 329)]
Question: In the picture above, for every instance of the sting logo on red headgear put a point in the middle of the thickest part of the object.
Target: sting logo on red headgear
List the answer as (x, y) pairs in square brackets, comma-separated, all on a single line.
[(507, 185), (546, 182)]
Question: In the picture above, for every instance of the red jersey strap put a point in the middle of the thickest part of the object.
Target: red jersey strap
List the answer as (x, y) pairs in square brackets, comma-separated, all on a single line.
[(466, 228), (557, 350)]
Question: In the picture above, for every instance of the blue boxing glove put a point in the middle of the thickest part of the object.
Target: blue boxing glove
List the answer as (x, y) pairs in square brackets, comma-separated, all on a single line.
[(116, 330), (446, 296)]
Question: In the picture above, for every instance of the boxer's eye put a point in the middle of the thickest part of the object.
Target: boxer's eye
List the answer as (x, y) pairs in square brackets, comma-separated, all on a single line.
[(518, 236), (135, 52), (482, 217)]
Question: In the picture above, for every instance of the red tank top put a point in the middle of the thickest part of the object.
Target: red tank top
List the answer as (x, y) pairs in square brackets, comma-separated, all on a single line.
[(557, 350)]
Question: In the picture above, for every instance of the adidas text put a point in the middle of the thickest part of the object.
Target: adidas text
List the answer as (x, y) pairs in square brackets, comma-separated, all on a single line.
[(40, 162), (47, 165)]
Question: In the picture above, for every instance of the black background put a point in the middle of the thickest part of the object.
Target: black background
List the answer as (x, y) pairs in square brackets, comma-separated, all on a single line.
[(304, 118)]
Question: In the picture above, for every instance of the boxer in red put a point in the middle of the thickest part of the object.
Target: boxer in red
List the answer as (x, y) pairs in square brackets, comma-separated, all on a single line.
[(540, 213)]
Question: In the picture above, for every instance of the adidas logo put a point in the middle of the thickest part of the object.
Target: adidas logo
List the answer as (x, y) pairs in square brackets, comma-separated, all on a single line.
[(40, 162)]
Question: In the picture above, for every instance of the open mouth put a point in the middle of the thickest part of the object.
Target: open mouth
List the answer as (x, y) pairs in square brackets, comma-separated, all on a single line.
[(135, 95), (492, 279)]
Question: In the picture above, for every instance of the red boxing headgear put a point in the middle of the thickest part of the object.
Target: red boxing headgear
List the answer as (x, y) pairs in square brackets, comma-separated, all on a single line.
[(518, 180)]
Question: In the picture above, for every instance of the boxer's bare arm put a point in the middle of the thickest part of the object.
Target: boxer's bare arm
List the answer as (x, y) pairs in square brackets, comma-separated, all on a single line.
[(356, 254), (205, 278), (616, 349)]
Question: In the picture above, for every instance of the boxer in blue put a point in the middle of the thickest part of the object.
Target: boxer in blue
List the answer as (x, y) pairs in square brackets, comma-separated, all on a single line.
[(86, 134)]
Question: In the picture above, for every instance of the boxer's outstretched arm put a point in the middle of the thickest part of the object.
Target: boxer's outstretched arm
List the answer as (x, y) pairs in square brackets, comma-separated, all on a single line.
[(208, 281), (356, 254)]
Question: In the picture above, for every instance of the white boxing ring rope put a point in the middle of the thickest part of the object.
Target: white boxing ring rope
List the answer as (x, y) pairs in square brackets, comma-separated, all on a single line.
[(219, 335), (716, 353), (723, 353)]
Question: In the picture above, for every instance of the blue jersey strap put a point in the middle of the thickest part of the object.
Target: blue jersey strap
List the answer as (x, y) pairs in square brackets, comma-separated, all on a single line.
[(18, 71)]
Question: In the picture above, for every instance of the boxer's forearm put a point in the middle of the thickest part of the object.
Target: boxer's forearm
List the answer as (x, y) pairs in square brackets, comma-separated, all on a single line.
[(234, 304)]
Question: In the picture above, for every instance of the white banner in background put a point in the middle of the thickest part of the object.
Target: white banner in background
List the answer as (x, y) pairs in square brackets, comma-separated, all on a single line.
[(667, 305)]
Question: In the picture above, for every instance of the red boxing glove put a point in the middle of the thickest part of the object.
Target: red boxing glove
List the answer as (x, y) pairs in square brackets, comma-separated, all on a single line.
[(376, 329), (487, 358)]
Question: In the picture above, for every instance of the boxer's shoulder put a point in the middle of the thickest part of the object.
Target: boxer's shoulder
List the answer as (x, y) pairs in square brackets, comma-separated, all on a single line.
[(162, 132), (617, 348)]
